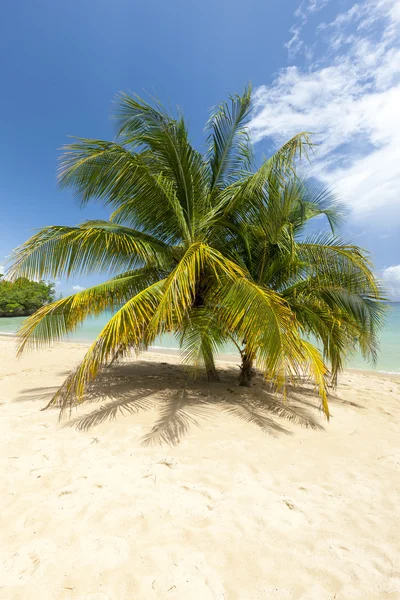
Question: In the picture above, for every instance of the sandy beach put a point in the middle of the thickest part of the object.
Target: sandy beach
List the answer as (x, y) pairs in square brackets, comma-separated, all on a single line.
[(165, 488)]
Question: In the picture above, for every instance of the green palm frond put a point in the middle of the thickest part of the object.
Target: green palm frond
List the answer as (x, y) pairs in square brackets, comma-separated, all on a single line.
[(166, 141), (342, 311), (134, 184), (237, 198), (325, 253), (230, 151), (309, 199), (94, 246), (101, 170), (156, 207), (136, 119)]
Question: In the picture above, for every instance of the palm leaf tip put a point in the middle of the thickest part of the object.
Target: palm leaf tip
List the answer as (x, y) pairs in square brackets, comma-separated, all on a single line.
[(230, 150)]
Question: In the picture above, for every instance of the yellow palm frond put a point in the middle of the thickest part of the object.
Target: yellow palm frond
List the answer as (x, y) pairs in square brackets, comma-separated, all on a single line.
[(128, 329), (180, 286), (54, 321), (271, 334)]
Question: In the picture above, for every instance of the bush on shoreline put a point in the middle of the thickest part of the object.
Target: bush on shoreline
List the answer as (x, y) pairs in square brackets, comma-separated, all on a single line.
[(23, 297)]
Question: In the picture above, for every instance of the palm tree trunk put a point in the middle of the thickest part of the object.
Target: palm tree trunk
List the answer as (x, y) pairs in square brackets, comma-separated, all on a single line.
[(211, 370), (206, 349), (246, 370)]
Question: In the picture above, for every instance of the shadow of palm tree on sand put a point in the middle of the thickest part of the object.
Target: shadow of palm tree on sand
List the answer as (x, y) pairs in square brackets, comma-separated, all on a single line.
[(183, 402)]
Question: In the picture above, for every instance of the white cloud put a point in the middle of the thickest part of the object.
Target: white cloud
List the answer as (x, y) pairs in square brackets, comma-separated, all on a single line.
[(350, 100), (77, 288), (1, 269), (391, 281), (296, 44)]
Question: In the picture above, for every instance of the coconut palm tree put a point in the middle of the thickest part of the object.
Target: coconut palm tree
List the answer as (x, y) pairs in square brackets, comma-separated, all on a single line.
[(327, 282), (168, 248)]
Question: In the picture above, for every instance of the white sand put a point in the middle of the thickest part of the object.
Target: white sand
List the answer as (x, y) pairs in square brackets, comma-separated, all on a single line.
[(248, 505)]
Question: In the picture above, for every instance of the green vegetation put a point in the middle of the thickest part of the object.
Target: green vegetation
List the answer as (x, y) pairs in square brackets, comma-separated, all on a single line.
[(327, 282), (207, 247), (23, 297)]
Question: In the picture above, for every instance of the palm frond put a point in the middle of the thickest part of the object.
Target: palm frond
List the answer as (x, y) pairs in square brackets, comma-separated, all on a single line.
[(230, 150), (180, 286), (136, 186), (137, 119), (200, 339), (331, 256), (341, 311), (266, 323), (166, 141), (237, 198), (127, 330), (315, 369), (97, 169), (94, 246), (311, 198), (54, 321)]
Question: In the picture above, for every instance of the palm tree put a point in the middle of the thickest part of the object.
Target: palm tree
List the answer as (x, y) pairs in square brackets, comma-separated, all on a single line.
[(328, 283), (167, 248)]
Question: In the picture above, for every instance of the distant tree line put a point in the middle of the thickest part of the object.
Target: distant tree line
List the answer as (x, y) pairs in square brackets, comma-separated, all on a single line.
[(23, 297)]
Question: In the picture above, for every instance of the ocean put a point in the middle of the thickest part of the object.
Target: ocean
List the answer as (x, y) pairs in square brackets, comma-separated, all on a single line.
[(389, 356)]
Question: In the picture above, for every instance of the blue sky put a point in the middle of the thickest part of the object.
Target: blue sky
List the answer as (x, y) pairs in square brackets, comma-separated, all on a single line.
[(329, 66)]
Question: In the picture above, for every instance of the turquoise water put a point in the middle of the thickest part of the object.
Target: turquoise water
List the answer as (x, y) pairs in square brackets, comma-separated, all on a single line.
[(389, 358)]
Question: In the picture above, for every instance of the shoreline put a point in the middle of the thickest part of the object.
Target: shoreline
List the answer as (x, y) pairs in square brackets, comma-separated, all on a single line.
[(222, 358)]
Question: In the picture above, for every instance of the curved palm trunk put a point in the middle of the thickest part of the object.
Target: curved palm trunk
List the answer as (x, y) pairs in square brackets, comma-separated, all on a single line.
[(247, 371)]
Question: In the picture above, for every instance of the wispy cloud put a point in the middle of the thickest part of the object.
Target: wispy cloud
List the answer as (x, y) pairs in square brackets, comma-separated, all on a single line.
[(77, 288), (391, 280), (302, 13), (349, 98)]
